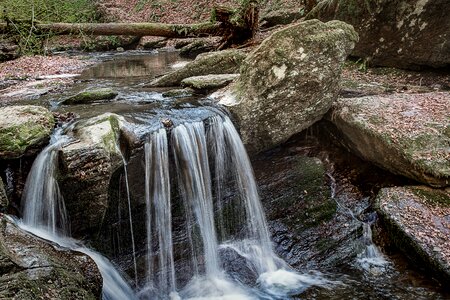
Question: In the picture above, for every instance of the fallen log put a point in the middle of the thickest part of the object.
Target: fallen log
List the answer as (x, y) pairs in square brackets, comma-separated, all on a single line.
[(131, 29)]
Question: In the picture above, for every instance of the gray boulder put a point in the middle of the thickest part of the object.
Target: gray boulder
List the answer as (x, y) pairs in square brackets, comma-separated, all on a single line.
[(404, 34), (289, 81), (406, 134), (209, 82), (30, 268), (24, 130), (87, 165), (417, 220), (220, 62)]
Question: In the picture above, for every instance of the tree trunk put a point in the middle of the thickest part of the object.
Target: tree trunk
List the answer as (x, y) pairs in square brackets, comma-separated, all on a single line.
[(133, 29)]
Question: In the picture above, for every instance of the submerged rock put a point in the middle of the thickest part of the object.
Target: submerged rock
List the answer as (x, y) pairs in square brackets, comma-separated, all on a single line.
[(30, 268), (220, 62), (87, 165), (90, 96), (406, 134), (404, 34), (209, 82), (417, 220), (24, 130), (289, 82)]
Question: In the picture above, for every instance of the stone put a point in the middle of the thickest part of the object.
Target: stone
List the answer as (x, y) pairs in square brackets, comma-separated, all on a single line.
[(3, 197), (24, 130), (288, 82), (220, 62), (403, 34), (416, 218), (192, 50), (179, 93), (32, 268), (209, 82), (406, 134), (93, 95), (281, 17), (87, 165)]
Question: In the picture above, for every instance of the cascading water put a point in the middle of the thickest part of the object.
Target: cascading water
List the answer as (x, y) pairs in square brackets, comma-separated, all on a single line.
[(44, 215)]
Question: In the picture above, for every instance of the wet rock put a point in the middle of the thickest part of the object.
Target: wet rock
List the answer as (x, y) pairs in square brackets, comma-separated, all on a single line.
[(288, 82), (209, 82), (90, 96), (404, 34), (31, 268), (24, 130), (87, 165), (192, 50), (406, 134), (418, 223), (179, 93), (281, 17), (220, 62), (8, 49), (155, 44), (3, 197)]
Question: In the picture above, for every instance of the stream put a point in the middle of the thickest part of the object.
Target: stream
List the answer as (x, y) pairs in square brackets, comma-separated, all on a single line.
[(295, 222)]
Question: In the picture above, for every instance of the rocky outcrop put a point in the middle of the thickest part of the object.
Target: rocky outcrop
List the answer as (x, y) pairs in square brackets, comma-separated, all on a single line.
[(406, 134), (30, 268), (23, 130), (404, 34), (87, 165), (289, 81), (417, 220), (220, 62), (89, 96), (209, 82)]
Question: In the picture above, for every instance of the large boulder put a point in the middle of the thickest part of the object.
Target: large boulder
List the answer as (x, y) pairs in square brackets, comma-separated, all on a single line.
[(405, 34), (30, 268), (406, 134), (87, 165), (289, 81), (24, 130), (220, 62), (417, 220)]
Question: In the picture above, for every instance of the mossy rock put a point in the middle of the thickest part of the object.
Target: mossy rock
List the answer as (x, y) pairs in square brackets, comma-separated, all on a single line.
[(90, 96), (209, 82), (179, 93), (220, 62), (24, 129)]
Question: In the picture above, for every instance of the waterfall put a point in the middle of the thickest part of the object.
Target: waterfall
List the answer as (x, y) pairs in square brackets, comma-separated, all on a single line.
[(42, 202), (157, 195), (44, 214)]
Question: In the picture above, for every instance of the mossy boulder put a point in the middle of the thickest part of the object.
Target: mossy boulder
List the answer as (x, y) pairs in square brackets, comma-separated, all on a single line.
[(281, 17), (404, 34), (31, 268), (417, 220), (209, 82), (289, 81), (92, 95), (406, 134), (24, 130), (87, 165), (220, 62)]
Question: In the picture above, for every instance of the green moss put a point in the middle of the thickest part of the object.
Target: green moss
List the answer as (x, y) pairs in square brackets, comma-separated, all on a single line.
[(15, 140), (91, 96)]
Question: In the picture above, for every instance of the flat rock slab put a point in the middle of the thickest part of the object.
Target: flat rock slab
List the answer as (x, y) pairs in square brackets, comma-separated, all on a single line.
[(209, 82), (90, 96), (406, 134), (418, 219)]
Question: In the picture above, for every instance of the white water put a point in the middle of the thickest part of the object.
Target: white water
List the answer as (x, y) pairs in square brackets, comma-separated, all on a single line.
[(44, 214), (42, 202), (157, 195)]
